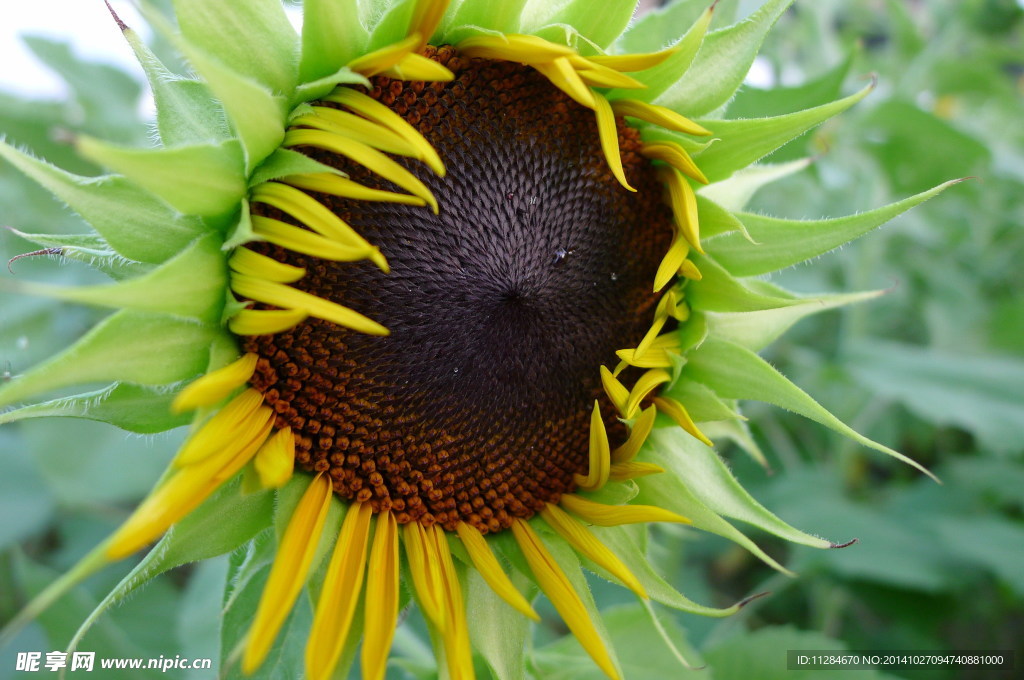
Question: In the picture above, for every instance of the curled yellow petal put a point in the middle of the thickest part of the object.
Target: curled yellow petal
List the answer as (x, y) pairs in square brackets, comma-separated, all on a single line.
[(563, 76), (677, 412), (587, 544), (684, 206), (633, 62), (615, 390), (600, 454), (609, 134), (614, 515), (599, 75), (275, 460), (215, 385), (326, 183), (418, 67), (562, 595), (382, 593), (647, 383), (373, 110), (364, 155), (490, 569), (381, 60), (309, 243), (245, 261), (237, 419), (288, 574), (637, 436), (290, 298), (308, 211), (358, 128), (265, 321), (659, 115), (690, 271), (674, 155), (342, 585), (672, 261)]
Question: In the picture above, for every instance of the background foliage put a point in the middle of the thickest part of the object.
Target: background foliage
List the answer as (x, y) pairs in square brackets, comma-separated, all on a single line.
[(934, 368)]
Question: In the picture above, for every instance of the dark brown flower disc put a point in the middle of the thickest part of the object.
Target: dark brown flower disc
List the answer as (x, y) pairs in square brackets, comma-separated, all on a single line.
[(501, 308)]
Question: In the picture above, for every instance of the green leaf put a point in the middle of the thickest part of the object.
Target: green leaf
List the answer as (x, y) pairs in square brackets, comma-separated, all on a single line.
[(23, 493), (332, 36), (498, 632), (741, 142), (735, 192), (599, 23), (659, 78), (190, 285), (284, 162), (721, 63), (135, 224), (780, 243), (991, 543), (757, 329), (253, 38), (735, 372), (719, 291), (499, 15), (980, 394), (203, 179), (185, 112), (130, 407), (710, 481), (129, 346)]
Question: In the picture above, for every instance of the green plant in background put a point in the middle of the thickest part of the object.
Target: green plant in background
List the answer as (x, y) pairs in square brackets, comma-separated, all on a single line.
[(739, 315)]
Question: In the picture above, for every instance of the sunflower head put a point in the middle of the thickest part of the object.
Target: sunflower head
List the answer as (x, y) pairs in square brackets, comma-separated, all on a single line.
[(466, 288)]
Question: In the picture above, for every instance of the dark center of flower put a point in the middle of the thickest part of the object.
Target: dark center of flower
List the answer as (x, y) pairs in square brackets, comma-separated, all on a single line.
[(501, 308)]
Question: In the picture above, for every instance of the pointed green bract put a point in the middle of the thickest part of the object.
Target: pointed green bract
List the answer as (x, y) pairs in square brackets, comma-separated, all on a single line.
[(89, 249), (129, 346), (135, 224), (735, 372), (780, 243), (710, 480), (720, 291), (715, 219), (722, 63), (196, 276), (701, 403), (205, 179), (735, 192), (666, 74), (332, 36), (757, 329), (253, 38), (742, 142), (185, 111), (498, 632), (498, 15), (285, 162), (134, 408), (598, 22)]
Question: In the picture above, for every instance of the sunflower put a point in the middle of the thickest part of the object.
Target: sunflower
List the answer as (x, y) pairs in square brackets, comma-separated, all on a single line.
[(466, 287)]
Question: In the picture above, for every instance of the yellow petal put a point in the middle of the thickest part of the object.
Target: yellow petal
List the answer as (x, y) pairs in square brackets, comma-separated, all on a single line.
[(381, 60), (326, 183), (341, 588), (690, 271), (672, 261), (425, 567), (425, 18), (457, 650), (304, 241), (647, 383), (275, 460), (488, 567), (677, 412), (599, 75), (526, 49), (280, 295), (659, 115), (358, 128), (373, 110), (652, 333), (288, 574), (307, 211), (382, 594), (215, 385), (562, 595), (418, 67), (633, 62), (684, 206), (609, 134), (600, 454), (245, 261), (563, 76), (618, 394), (587, 544), (614, 515), (625, 471), (238, 419), (674, 155), (652, 358), (637, 436), (265, 321), (183, 492), (364, 155)]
